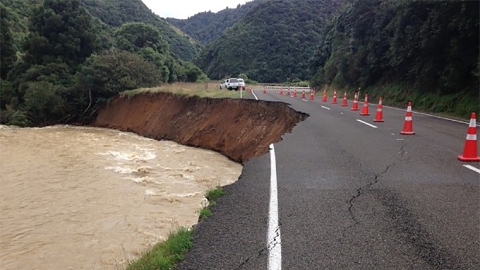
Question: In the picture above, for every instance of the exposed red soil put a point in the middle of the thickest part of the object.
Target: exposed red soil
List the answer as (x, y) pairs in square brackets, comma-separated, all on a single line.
[(238, 128)]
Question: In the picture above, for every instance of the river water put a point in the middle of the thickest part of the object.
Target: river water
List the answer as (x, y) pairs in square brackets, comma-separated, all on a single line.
[(92, 198)]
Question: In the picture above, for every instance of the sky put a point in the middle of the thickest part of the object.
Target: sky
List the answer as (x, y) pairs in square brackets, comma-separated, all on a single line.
[(182, 9)]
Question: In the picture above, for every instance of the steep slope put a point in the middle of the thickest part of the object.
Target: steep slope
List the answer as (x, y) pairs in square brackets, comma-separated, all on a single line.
[(273, 43), (238, 128), (115, 13), (207, 26)]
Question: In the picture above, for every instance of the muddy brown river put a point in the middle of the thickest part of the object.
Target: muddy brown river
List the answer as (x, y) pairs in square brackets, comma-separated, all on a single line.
[(92, 198)]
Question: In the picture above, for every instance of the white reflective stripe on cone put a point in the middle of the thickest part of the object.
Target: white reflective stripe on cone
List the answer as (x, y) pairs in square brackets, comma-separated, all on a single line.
[(471, 137)]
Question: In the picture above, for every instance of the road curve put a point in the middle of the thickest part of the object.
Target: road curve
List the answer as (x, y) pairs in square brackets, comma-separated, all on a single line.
[(352, 194)]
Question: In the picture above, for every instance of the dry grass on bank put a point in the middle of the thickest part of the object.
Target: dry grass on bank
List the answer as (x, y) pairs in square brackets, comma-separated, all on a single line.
[(205, 89)]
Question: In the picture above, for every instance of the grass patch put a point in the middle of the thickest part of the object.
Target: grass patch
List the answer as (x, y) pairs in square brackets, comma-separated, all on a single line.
[(206, 89), (457, 105), (211, 195), (167, 254), (205, 212), (214, 194)]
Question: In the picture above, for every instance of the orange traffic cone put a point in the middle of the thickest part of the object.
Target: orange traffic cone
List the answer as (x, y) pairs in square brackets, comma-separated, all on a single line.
[(288, 91), (345, 101), (294, 93), (303, 94), (470, 149), (355, 103), (281, 91), (264, 90), (312, 95), (324, 98), (334, 100), (365, 107), (379, 115), (250, 90), (408, 125)]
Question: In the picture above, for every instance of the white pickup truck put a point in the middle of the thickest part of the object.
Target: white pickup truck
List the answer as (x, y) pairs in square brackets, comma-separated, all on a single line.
[(232, 83)]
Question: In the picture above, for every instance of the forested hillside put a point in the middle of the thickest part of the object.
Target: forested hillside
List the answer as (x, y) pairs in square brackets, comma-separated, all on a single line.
[(421, 51), (207, 26), (59, 64), (116, 13), (273, 43)]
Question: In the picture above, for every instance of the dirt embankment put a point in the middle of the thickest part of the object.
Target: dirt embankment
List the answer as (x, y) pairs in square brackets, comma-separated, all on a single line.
[(238, 128)]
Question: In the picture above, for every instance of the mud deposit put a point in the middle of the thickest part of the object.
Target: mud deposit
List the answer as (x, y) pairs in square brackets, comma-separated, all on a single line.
[(238, 128)]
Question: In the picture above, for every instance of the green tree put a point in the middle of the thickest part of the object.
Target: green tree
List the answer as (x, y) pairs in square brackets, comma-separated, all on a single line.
[(115, 13), (7, 43), (104, 76), (146, 41), (43, 102), (60, 31), (61, 36), (134, 36)]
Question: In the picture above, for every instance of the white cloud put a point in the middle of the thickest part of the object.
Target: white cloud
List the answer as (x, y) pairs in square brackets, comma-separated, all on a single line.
[(182, 9)]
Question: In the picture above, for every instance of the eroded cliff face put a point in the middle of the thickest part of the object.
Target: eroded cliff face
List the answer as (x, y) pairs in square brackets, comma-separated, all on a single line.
[(238, 128)]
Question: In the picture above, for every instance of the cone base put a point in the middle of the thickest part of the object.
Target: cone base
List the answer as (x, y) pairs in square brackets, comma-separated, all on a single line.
[(462, 158), (364, 114), (378, 120), (344, 105), (407, 132), (355, 110)]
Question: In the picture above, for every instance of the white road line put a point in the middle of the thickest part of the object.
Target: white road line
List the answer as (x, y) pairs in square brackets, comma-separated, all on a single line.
[(274, 243), (472, 168), (368, 124), (431, 115), (326, 108), (304, 99), (254, 94)]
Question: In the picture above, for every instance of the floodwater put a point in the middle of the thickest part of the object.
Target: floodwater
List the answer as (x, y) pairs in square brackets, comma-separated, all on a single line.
[(92, 198)]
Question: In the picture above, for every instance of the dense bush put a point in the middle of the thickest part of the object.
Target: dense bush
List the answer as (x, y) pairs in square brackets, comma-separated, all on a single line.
[(67, 64), (104, 76)]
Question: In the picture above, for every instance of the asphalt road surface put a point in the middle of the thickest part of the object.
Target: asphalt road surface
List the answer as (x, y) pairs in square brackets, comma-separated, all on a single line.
[(351, 195)]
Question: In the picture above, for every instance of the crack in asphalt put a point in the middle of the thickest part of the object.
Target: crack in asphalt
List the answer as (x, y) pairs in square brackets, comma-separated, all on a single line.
[(272, 244), (402, 152), (357, 195), (425, 246)]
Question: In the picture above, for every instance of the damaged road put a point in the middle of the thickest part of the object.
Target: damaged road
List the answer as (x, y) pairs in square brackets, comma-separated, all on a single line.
[(238, 129), (349, 196)]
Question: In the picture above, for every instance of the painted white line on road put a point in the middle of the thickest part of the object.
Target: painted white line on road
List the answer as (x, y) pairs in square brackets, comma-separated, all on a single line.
[(472, 168), (304, 99), (326, 108), (434, 116), (254, 94), (274, 243), (368, 124)]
